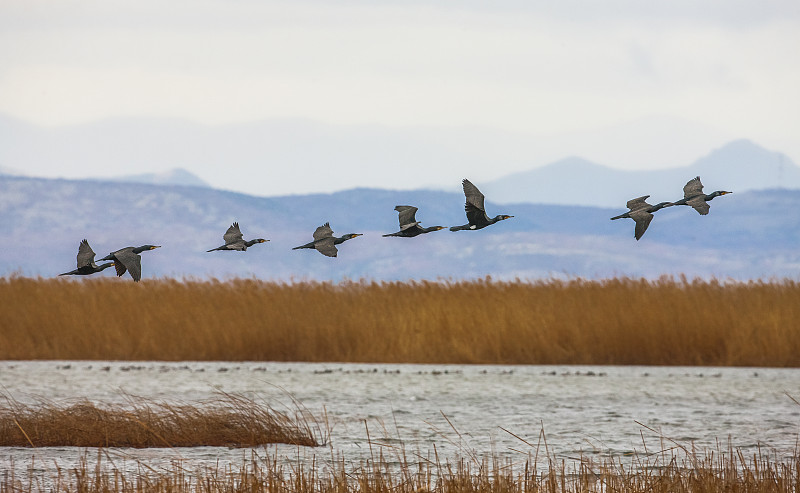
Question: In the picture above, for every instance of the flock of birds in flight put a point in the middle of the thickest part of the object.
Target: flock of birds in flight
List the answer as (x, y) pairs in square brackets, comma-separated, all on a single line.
[(128, 258)]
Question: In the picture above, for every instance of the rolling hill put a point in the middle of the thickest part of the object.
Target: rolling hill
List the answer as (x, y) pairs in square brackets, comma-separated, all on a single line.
[(738, 166), (279, 156), (746, 236)]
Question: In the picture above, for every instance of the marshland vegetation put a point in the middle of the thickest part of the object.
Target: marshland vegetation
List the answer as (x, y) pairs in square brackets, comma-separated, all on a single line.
[(665, 471), (228, 420), (616, 321)]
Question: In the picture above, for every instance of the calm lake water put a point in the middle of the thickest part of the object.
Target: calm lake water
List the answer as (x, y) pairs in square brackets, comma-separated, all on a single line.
[(582, 411)]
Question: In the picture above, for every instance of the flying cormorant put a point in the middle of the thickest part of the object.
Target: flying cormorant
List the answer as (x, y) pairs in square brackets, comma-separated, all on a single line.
[(128, 258), (693, 196), (641, 212), (86, 263), (409, 226), (324, 241), (234, 241), (476, 213)]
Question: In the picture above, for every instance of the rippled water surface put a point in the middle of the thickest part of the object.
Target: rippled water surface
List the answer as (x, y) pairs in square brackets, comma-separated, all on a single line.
[(504, 411)]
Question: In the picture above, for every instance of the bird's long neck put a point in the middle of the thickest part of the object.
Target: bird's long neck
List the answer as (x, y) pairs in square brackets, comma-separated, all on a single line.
[(659, 206), (141, 249), (342, 239), (104, 266)]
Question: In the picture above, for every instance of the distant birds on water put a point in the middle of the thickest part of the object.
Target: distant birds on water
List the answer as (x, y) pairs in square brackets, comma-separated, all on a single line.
[(642, 212), (129, 258)]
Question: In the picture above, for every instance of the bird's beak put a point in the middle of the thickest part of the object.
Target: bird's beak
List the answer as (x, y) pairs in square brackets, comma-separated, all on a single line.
[(440, 228), (725, 193), (357, 234), (263, 241), (154, 247), (508, 217)]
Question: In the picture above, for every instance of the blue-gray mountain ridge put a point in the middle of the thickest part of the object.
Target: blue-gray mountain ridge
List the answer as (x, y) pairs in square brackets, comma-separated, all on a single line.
[(747, 235), (740, 165), (302, 153)]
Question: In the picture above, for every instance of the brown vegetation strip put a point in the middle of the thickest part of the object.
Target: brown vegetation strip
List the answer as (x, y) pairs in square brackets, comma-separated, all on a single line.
[(616, 321), (725, 473), (228, 421)]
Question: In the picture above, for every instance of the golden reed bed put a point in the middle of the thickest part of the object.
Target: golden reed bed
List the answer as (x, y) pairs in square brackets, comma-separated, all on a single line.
[(662, 472), (228, 420), (617, 321)]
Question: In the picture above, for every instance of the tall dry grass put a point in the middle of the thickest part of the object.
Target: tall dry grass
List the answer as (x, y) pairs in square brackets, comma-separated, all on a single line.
[(724, 473), (229, 420), (616, 321)]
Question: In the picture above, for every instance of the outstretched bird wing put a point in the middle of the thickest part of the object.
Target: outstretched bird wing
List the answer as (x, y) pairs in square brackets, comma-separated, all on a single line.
[(638, 203), (326, 247), (642, 219), (406, 216), (323, 231), (85, 254), (693, 187), (699, 204), (233, 234), (474, 205), (131, 261)]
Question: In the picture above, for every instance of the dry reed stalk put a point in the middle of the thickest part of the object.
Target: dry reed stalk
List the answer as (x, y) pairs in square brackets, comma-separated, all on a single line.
[(730, 472), (230, 420), (616, 321)]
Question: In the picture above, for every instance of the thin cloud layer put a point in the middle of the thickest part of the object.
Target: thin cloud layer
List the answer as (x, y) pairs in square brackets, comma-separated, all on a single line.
[(544, 69)]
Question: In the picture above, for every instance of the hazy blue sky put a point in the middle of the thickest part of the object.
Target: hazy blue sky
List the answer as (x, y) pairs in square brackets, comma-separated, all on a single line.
[(577, 77)]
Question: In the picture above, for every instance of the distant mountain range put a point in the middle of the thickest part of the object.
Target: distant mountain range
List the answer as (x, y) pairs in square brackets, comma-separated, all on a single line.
[(738, 166), (280, 156), (747, 235), (175, 176), (753, 233)]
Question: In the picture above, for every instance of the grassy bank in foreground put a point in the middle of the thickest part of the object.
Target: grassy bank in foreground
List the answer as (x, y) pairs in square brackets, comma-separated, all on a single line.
[(729, 472), (617, 321)]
